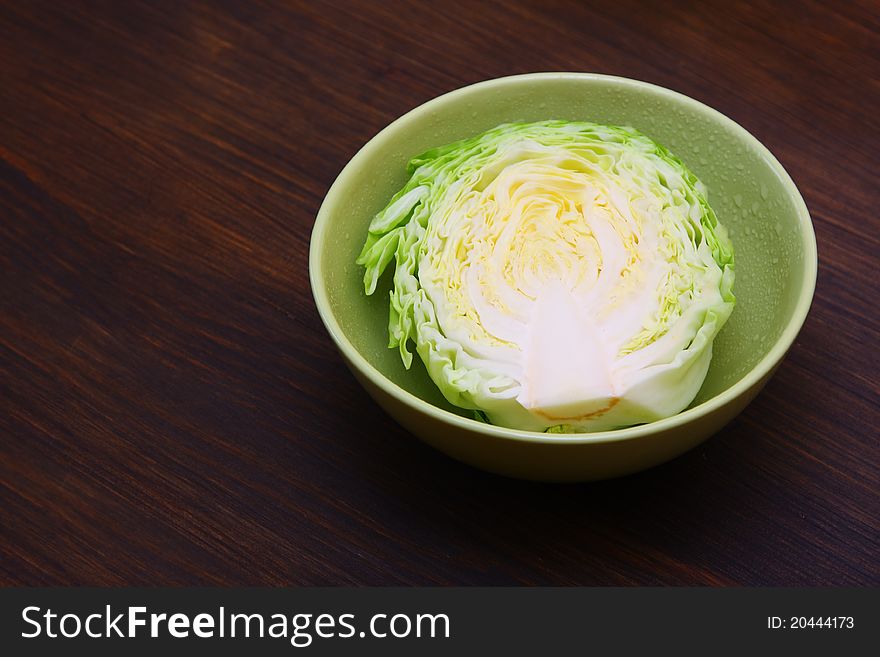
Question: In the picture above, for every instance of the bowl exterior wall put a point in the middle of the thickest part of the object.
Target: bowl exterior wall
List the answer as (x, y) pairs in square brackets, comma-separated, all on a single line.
[(577, 461)]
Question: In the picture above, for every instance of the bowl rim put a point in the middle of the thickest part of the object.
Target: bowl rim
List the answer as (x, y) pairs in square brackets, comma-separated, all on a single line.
[(753, 377)]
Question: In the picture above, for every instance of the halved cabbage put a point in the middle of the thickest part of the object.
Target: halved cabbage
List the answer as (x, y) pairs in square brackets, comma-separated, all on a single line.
[(555, 276)]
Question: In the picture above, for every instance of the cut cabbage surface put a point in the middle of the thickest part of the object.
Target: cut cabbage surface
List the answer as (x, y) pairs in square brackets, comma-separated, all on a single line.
[(555, 276)]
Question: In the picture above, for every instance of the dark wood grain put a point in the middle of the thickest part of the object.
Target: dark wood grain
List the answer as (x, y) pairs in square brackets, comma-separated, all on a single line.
[(172, 410)]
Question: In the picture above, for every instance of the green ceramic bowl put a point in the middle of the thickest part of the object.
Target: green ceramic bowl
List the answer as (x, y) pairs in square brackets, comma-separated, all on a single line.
[(748, 188)]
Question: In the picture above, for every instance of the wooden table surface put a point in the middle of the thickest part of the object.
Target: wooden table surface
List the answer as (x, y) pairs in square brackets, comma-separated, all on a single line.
[(172, 410)]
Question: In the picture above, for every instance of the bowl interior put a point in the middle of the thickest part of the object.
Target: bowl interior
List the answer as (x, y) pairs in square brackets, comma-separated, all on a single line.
[(752, 196)]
